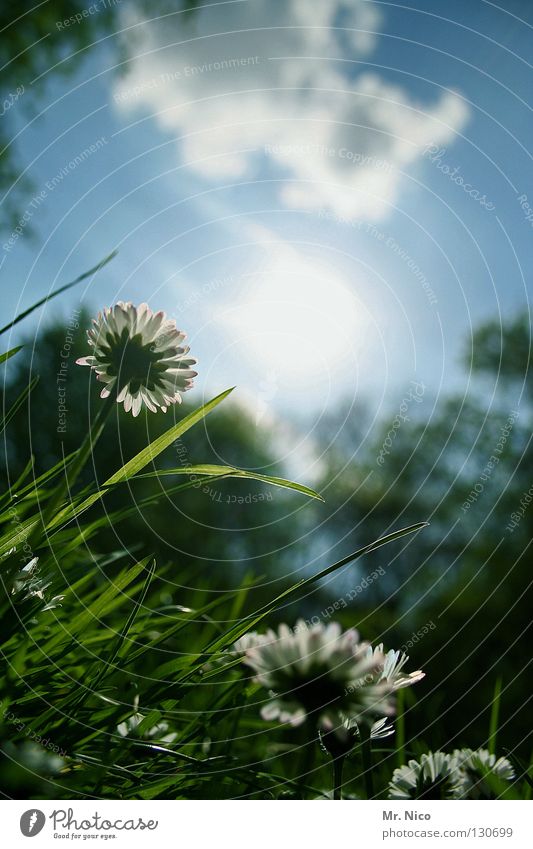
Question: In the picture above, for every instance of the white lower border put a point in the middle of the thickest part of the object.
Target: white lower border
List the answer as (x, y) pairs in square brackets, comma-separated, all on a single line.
[(266, 825)]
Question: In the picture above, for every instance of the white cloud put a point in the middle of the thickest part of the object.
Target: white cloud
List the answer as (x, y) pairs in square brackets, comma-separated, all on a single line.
[(267, 79)]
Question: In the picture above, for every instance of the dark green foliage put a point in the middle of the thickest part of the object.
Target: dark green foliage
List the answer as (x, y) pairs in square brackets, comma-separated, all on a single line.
[(116, 679)]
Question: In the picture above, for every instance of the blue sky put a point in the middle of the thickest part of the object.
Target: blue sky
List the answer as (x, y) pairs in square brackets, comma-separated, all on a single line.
[(284, 190)]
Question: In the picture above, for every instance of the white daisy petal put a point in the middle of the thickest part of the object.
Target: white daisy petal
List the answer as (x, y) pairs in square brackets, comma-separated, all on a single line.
[(139, 355), (137, 404), (435, 776), (483, 773), (319, 670)]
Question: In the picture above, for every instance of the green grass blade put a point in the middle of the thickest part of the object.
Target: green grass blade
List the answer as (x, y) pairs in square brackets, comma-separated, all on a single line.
[(34, 487), (523, 773), (529, 780), (8, 354), (118, 643), (141, 460), (494, 716), (307, 582), (61, 289), (7, 496), (399, 728), (63, 535), (196, 472), (133, 615), (184, 619), (86, 449), (93, 612), (137, 463), (19, 535), (234, 633), (18, 403), (207, 471)]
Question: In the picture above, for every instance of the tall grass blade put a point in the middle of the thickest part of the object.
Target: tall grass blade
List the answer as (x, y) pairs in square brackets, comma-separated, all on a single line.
[(399, 728), (148, 454), (61, 289), (207, 471), (8, 354), (494, 716), (18, 403), (248, 624)]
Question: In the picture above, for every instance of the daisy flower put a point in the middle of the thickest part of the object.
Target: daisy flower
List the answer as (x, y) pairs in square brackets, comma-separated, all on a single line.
[(390, 670), (130, 727), (29, 584), (139, 356), (478, 767), (340, 735), (248, 641), (312, 670), (389, 676), (158, 732), (435, 776)]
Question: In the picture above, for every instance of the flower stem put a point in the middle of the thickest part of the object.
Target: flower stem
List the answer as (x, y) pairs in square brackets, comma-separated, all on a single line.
[(366, 752), (305, 765), (400, 728), (338, 765)]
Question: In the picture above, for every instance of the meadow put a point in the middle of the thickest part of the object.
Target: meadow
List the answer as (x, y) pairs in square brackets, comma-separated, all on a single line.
[(130, 671)]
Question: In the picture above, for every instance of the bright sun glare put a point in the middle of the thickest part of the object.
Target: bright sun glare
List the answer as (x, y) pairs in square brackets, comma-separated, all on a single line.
[(298, 318)]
